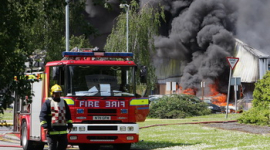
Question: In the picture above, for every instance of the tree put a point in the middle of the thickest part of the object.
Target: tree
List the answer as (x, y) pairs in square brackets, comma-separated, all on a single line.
[(32, 25), (143, 27), (260, 111), (13, 46), (48, 29)]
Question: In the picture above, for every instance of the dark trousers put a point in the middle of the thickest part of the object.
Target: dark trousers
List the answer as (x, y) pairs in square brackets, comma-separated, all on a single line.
[(57, 142)]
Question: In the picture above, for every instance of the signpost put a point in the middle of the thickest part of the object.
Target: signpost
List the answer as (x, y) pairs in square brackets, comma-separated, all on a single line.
[(232, 62), (203, 86), (235, 81)]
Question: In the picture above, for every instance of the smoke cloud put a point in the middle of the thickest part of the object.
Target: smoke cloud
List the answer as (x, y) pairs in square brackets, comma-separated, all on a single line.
[(202, 31), (198, 35), (253, 23), (102, 19)]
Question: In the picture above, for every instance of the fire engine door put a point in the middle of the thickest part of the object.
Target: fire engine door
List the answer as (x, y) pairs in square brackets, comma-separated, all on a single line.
[(141, 108), (35, 129)]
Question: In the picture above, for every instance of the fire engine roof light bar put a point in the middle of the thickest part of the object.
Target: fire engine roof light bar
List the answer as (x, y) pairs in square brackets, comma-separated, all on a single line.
[(97, 54)]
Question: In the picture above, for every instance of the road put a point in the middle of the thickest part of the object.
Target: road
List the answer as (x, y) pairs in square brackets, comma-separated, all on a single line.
[(5, 145), (9, 144)]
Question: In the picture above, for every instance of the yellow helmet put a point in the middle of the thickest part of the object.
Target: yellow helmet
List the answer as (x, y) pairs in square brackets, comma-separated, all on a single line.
[(56, 89)]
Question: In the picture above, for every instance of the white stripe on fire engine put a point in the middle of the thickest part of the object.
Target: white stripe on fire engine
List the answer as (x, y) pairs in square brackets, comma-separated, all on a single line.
[(46, 85)]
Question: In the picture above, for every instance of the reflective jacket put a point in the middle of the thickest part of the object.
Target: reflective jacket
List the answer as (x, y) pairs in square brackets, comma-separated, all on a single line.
[(46, 118)]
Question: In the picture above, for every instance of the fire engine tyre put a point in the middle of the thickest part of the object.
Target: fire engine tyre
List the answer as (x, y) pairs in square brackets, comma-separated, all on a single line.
[(122, 146), (89, 146), (27, 144)]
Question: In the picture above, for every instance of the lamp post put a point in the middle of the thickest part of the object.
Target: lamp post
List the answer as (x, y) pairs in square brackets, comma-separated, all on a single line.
[(67, 25), (127, 10)]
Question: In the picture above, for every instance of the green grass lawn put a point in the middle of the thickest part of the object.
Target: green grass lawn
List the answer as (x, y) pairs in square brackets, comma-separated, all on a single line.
[(8, 114), (212, 117), (197, 136)]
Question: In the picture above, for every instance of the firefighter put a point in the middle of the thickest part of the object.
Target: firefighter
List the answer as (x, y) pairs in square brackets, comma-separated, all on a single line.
[(55, 119)]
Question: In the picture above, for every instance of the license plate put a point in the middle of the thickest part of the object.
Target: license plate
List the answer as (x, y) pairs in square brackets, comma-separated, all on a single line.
[(101, 117)]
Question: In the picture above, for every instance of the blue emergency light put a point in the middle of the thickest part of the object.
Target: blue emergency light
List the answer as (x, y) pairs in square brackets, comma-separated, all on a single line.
[(97, 54)]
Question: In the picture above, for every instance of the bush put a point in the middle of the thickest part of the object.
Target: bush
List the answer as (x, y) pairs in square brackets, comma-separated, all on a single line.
[(256, 115), (259, 113), (178, 106)]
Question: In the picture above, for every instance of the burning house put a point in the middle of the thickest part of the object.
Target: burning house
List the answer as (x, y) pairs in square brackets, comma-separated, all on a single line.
[(252, 66), (191, 59), (194, 51)]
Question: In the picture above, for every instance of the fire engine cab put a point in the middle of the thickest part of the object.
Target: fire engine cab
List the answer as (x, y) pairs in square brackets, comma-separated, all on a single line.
[(100, 89)]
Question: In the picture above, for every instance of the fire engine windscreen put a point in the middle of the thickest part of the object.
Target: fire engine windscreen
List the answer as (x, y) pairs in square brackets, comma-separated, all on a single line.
[(100, 81)]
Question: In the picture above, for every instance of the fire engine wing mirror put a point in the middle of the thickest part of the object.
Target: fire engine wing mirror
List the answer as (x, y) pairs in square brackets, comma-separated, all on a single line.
[(55, 73), (143, 74), (58, 74)]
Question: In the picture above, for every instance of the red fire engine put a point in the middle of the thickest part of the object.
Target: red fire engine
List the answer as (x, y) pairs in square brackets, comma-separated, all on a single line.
[(99, 88)]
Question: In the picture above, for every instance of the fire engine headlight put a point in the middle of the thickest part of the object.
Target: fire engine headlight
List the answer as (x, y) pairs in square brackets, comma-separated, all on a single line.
[(130, 128), (74, 129), (130, 138), (123, 128), (82, 128), (73, 137)]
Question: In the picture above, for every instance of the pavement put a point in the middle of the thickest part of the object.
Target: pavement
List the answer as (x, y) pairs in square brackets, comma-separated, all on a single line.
[(11, 136), (8, 135), (10, 140)]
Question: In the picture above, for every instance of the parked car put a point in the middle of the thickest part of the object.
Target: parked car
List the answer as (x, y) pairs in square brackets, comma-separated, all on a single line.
[(154, 98), (11, 105), (214, 108)]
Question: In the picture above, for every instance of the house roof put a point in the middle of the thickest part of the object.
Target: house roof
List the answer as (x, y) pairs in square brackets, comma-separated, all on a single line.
[(249, 62), (251, 50)]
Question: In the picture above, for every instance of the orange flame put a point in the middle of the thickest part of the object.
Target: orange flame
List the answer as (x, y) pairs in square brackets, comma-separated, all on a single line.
[(189, 91), (217, 98)]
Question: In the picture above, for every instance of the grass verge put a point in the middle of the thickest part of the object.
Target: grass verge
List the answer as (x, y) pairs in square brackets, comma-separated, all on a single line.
[(197, 136), (8, 114), (212, 117)]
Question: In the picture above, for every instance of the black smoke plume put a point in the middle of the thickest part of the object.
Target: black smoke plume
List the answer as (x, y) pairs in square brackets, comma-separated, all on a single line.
[(197, 34), (201, 36)]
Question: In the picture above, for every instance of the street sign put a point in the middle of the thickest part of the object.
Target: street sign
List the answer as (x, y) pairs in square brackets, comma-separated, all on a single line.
[(235, 81), (232, 61)]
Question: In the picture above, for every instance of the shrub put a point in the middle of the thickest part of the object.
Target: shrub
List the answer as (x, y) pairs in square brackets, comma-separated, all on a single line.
[(178, 106), (259, 113), (255, 116)]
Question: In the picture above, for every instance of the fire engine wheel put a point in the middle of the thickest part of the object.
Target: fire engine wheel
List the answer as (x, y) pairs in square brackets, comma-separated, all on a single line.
[(89, 146), (122, 146), (27, 144)]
